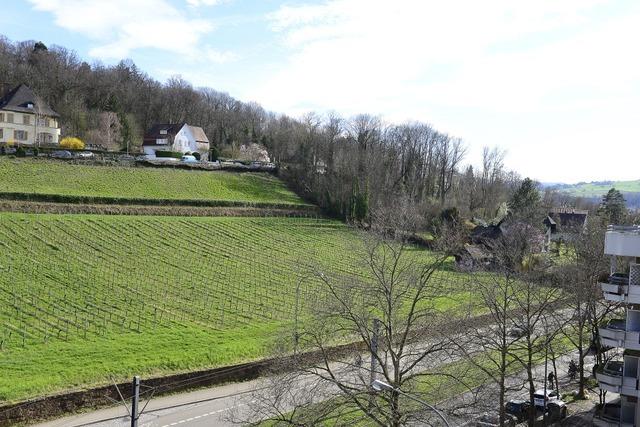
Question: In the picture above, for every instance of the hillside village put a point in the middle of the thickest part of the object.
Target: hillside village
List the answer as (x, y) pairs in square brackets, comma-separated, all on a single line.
[(170, 245)]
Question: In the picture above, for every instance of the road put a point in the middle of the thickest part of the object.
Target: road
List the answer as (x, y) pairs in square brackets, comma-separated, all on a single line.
[(206, 407)]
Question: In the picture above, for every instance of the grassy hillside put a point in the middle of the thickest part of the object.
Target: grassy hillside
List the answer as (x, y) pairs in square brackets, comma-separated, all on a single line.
[(598, 189), (84, 297), (54, 177)]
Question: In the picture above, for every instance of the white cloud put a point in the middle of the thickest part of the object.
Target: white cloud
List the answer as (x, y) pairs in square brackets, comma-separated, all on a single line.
[(450, 62), (198, 3), (122, 26)]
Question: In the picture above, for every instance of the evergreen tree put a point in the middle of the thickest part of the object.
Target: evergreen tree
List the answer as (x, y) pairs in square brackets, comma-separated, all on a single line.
[(525, 202), (613, 208)]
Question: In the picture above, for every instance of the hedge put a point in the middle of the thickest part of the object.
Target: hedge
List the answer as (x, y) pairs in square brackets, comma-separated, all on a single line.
[(63, 198), (174, 154)]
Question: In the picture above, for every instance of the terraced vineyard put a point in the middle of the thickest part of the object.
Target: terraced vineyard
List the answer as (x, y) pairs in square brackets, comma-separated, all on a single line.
[(83, 297), (39, 176)]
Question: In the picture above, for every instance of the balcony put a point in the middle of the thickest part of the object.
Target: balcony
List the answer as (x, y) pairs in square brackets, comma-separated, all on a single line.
[(610, 377), (622, 241), (613, 333), (621, 287), (609, 416)]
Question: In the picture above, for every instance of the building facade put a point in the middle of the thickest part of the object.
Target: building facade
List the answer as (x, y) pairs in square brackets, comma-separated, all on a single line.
[(622, 376), (180, 137), (25, 119)]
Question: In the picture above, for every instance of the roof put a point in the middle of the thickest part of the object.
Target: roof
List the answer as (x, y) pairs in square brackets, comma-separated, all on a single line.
[(199, 134), (478, 252), (169, 130), (20, 97), (569, 217)]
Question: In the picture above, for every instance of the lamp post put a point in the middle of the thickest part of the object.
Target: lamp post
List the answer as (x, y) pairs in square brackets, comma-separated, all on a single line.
[(378, 385)]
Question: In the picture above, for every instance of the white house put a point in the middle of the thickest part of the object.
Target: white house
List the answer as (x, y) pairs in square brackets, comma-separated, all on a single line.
[(25, 119), (179, 137)]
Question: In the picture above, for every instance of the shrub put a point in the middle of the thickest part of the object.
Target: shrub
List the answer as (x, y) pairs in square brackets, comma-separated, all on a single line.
[(36, 152), (174, 154), (72, 143), (196, 155), (215, 153), (20, 152)]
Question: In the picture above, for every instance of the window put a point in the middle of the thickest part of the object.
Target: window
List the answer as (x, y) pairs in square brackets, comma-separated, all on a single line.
[(26, 119), (9, 117), (43, 122), (20, 135), (1, 133), (45, 138), (1, 117)]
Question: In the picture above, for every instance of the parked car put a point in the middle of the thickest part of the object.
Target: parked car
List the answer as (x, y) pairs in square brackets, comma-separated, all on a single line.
[(556, 410), (187, 158), (142, 157), (84, 155), (539, 397), (517, 332), (62, 154), (493, 420), (10, 150), (518, 408)]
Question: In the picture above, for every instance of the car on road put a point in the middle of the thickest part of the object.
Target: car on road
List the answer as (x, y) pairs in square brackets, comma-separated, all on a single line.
[(62, 154), (518, 408), (84, 155), (187, 158), (517, 332), (539, 399)]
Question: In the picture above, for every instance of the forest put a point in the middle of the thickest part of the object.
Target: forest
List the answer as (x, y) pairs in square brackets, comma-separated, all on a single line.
[(347, 166)]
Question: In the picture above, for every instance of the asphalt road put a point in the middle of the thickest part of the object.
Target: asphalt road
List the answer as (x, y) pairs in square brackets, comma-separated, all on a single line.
[(206, 407)]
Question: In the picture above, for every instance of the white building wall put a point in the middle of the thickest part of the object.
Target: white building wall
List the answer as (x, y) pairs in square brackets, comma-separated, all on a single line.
[(9, 128)]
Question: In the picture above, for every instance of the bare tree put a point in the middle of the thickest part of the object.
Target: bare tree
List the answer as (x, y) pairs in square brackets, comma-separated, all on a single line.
[(394, 316)]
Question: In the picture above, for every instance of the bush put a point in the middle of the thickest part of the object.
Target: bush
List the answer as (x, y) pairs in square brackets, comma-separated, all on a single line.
[(165, 154), (196, 155), (36, 152), (215, 154), (72, 143), (20, 152)]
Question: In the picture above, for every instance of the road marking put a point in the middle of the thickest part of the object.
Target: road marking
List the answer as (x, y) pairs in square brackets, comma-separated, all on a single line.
[(204, 415)]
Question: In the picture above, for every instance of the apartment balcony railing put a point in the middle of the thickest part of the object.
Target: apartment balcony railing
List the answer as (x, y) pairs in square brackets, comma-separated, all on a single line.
[(610, 377), (622, 287), (622, 241), (613, 333), (610, 417)]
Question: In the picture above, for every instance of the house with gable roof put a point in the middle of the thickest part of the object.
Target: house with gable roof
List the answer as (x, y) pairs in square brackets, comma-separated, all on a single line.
[(25, 119), (178, 137)]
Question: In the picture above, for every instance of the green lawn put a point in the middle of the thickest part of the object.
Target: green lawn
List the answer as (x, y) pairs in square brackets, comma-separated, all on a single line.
[(86, 297), (40, 176)]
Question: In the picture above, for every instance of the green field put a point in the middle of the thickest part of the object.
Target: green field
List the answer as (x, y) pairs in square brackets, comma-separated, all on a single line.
[(38, 176), (86, 297), (595, 189)]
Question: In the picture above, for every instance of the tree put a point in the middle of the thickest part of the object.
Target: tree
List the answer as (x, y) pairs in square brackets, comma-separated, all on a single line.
[(613, 207), (72, 143), (525, 202), (394, 316), (579, 278)]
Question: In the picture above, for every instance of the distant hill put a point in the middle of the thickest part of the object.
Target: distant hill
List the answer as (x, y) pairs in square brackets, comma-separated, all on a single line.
[(596, 189)]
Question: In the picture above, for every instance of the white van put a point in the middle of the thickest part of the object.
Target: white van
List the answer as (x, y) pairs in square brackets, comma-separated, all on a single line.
[(187, 158)]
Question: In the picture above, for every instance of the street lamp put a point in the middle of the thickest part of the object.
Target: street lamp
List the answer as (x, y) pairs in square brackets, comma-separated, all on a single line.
[(378, 386)]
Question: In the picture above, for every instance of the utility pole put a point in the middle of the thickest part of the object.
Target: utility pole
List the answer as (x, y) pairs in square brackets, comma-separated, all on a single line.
[(374, 349), (135, 398)]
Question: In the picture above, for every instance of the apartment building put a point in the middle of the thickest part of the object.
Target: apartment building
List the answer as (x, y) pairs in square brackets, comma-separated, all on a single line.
[(25, 119)]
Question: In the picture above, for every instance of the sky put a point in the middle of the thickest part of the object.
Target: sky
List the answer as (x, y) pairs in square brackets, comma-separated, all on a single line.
[(555, 83)]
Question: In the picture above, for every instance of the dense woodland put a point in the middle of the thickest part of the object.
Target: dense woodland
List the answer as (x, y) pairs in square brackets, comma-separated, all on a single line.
[(346, 165)]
